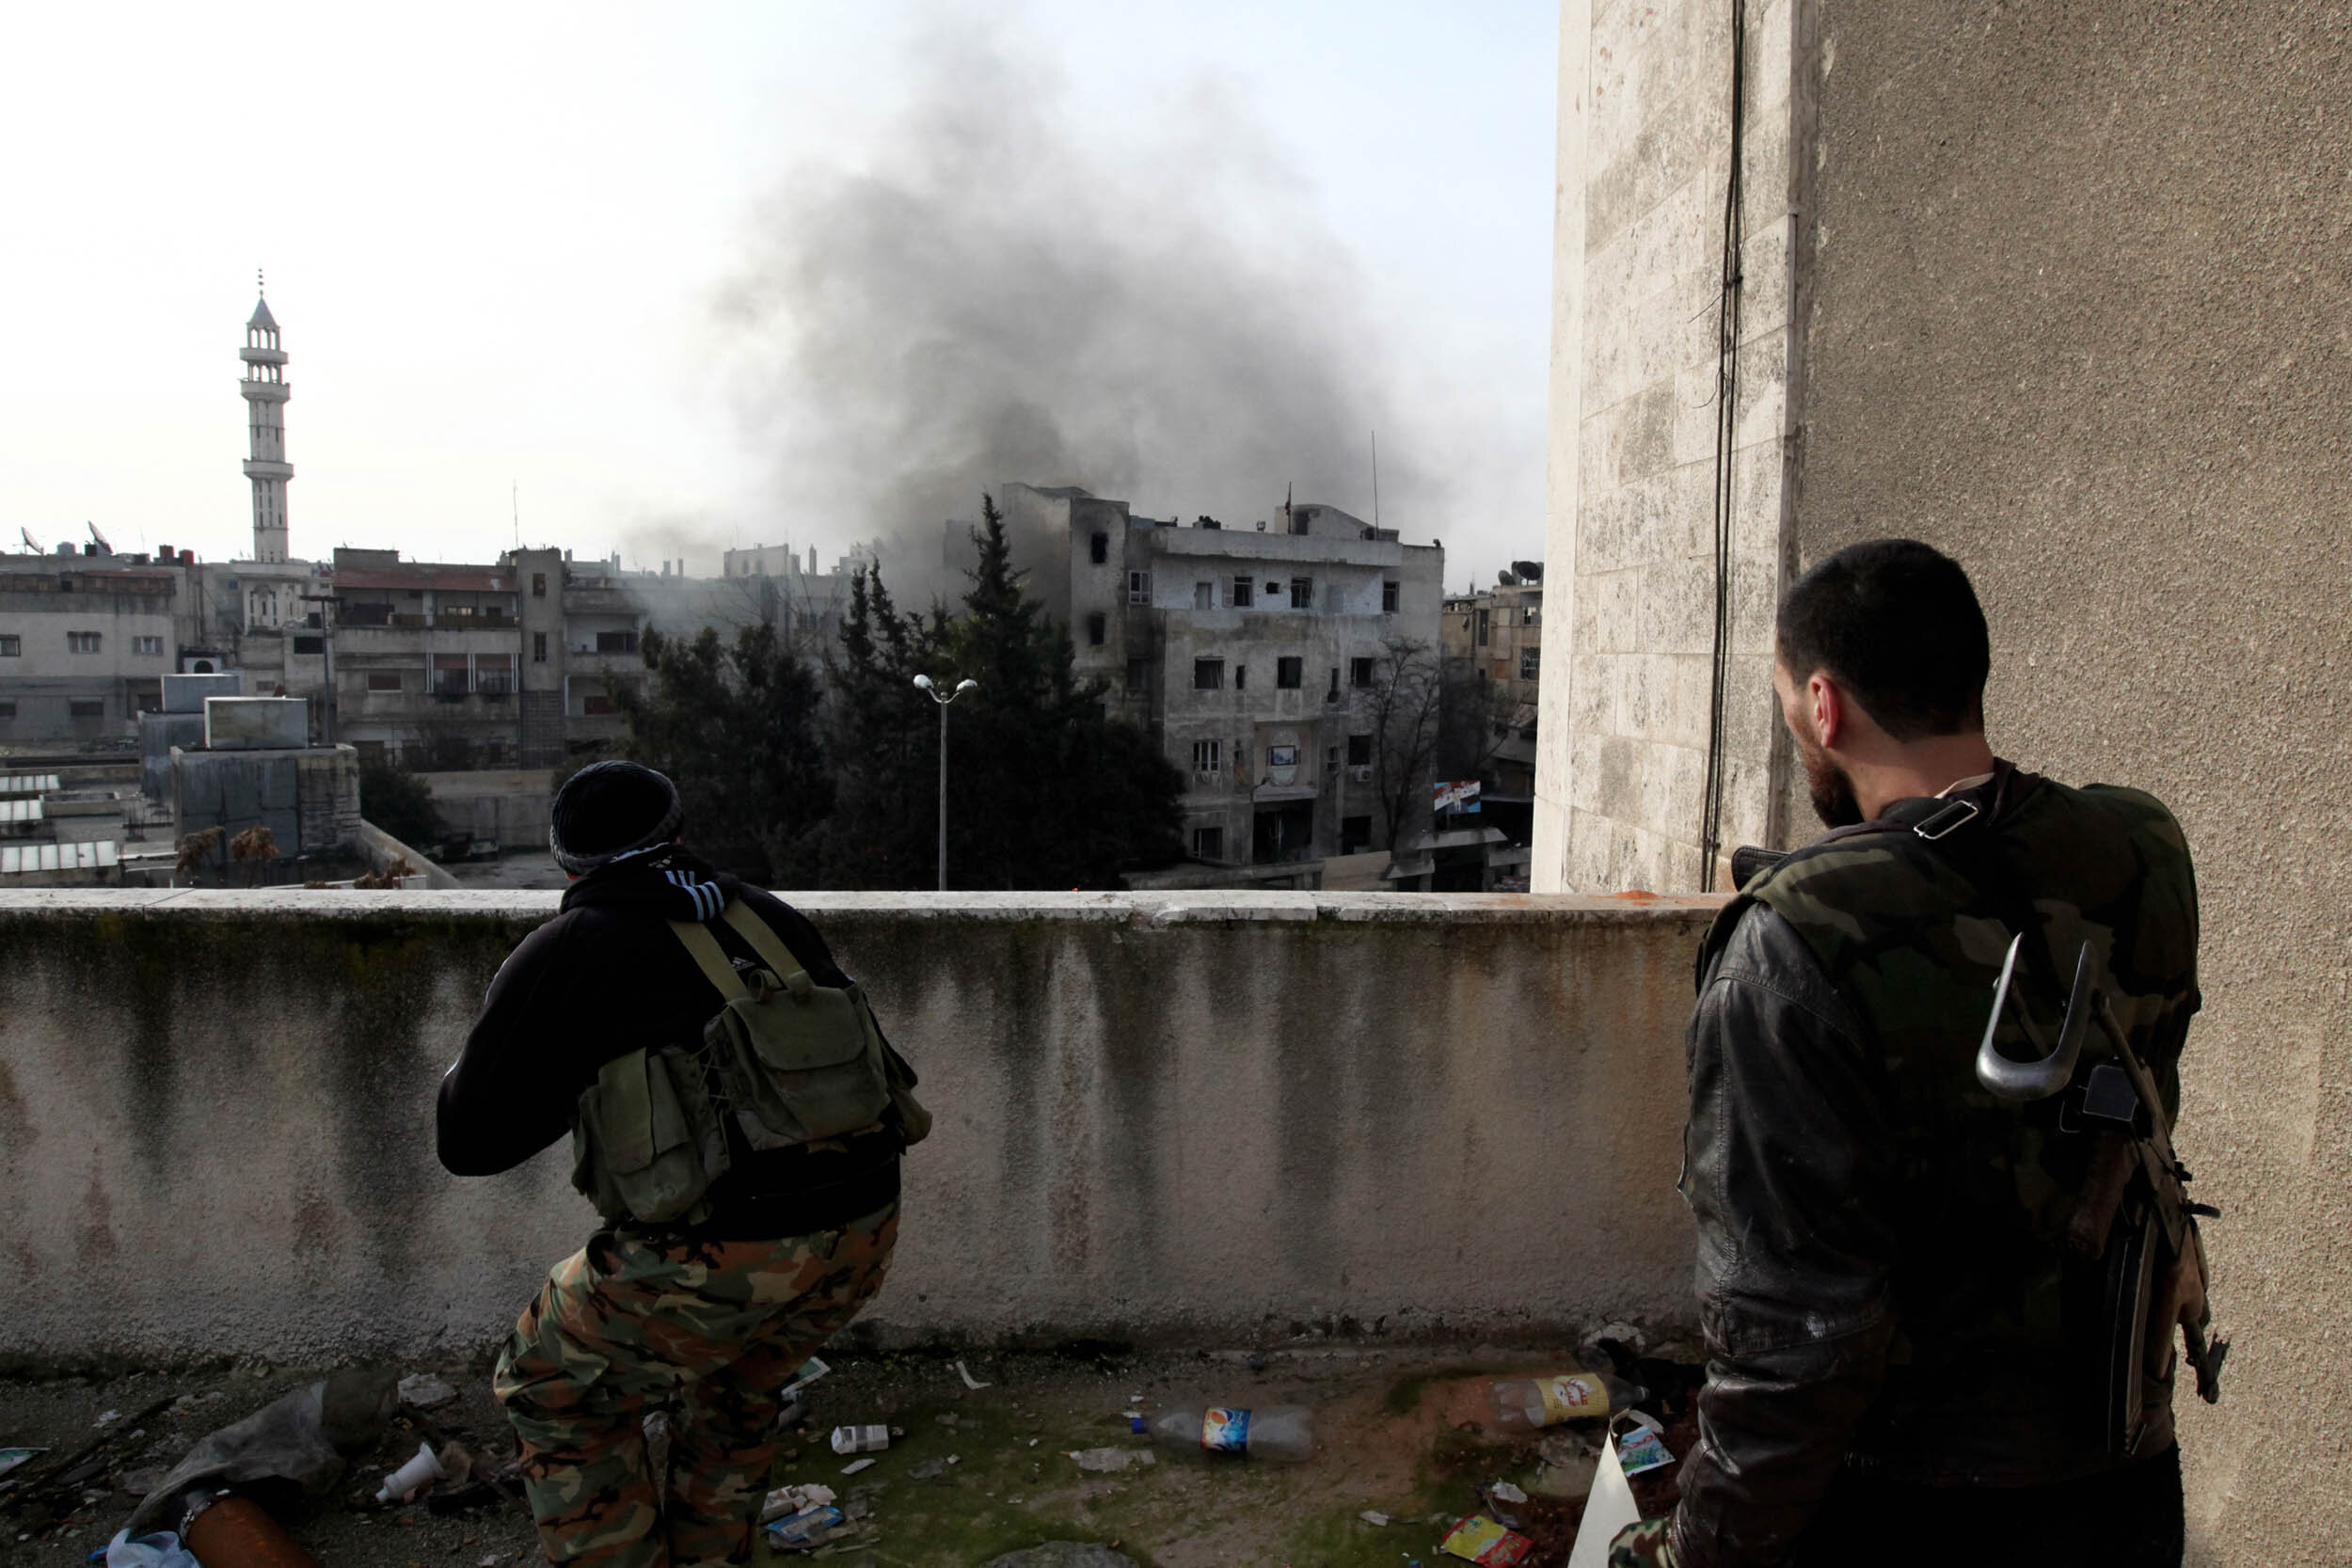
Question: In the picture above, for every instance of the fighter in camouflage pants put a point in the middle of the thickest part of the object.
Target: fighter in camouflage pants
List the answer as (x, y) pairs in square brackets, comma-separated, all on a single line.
[(715, 1328)]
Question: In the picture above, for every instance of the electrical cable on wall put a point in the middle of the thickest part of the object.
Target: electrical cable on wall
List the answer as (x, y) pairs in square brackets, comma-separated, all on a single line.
[(1727, 418)]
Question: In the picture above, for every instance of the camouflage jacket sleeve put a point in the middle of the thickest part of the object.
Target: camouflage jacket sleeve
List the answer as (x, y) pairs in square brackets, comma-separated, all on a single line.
[(1785, 1168)]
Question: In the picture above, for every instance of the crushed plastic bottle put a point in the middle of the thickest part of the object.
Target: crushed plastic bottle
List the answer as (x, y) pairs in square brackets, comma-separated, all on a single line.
[(1282, 1432), (1524, 1404)]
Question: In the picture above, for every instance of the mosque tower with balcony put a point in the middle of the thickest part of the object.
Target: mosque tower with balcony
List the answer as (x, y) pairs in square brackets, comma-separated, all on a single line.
[(265, 391)]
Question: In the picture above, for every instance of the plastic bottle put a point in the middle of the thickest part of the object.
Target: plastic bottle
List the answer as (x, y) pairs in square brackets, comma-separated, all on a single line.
[(417, 1472), (1525, 1402), (1267, 1432)]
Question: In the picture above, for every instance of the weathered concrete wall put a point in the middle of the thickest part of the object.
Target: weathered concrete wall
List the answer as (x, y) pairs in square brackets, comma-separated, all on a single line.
[(1213, 1116), (1646, 158), (2080, 320)]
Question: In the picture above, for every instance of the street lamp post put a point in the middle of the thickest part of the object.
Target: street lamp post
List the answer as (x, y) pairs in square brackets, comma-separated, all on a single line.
[(926, 683)]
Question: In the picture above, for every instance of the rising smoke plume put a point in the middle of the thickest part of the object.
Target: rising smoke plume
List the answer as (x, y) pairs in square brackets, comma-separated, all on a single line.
[(1001, 288)]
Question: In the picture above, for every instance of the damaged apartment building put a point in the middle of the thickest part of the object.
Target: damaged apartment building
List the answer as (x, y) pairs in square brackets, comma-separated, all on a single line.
[(1252, 653)]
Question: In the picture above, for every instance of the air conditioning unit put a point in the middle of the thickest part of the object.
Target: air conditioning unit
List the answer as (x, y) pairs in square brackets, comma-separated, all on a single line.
[(1361, 773)]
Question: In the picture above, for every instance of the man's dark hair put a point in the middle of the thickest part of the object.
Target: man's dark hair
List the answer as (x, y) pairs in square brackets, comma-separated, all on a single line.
[(1897, 623)]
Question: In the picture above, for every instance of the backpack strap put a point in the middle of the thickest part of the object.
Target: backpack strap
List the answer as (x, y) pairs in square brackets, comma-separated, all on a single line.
[(711, 958), (764, 941)]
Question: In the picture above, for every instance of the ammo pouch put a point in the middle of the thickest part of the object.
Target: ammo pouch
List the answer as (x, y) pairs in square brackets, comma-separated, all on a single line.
[(790, 1061)]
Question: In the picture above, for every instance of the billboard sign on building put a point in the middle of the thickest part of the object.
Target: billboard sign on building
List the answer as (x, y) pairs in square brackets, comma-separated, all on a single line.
[(1461, 796)]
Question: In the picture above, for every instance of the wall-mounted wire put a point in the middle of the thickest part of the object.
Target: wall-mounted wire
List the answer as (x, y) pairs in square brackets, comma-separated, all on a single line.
[(1727, 420)]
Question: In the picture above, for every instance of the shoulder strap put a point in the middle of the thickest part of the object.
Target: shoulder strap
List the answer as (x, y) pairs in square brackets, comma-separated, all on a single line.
[(764, 941), (707, 953)]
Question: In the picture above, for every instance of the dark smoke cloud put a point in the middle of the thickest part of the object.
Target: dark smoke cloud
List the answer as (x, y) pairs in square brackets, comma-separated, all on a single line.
[(1002, 286)]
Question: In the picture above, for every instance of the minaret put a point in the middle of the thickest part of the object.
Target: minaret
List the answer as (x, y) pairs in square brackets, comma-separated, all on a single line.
[(265, 392)]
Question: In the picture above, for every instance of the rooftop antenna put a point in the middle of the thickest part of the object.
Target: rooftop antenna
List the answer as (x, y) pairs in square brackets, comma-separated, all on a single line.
[(1375, 479), (515, 503)]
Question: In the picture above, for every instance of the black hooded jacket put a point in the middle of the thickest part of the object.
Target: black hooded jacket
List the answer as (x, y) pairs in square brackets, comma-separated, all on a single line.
[(605, 977)]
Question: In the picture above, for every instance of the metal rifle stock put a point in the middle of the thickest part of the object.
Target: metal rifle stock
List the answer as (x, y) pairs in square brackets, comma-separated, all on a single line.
[(2119, 1097)]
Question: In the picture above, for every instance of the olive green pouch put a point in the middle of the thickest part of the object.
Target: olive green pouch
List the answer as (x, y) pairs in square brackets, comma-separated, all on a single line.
[(635, 1149), (800, 1062)]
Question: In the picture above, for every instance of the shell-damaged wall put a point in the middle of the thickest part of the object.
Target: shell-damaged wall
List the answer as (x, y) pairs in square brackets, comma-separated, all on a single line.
[(1214, 1118)]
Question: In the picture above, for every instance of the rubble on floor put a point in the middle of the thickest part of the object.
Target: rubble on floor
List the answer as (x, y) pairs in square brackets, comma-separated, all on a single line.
[(1011, 1459)]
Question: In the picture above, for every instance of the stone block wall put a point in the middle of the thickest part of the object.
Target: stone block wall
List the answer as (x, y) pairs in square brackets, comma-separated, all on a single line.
[(1638, 361)]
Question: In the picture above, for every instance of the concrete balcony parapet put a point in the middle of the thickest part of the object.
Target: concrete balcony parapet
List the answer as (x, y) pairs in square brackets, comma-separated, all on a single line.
[(1168, 1117)]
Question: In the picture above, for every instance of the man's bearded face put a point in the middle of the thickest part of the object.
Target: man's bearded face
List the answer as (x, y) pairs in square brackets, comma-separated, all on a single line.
[(1831, 790)]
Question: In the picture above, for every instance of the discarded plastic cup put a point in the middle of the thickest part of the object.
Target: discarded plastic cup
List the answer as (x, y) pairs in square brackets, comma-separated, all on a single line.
[(1283, 1432), (416, 1473)]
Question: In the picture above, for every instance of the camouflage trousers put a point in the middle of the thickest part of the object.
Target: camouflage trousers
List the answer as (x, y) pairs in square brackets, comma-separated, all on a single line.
[(710, 1330)]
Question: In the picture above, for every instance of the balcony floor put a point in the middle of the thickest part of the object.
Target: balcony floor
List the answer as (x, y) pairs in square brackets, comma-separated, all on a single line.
[(1390, 1428)]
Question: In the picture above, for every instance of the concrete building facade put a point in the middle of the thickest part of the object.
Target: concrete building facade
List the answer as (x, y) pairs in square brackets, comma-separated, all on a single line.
[(2059, 290), (85, 643), (1251, 655)]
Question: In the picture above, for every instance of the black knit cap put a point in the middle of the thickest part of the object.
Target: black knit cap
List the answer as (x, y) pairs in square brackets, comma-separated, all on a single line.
[(610, 809)]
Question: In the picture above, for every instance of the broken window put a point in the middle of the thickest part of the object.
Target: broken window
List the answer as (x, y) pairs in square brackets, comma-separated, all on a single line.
[(383, 680), (1100, 549), (1359, 671), (1302, 592), (1208, 674), (1355, 834), (1241, 676), (451, 675), (1483, 617), (1208, 844), (1098, 627), (310, 644), (1208, 756), (1289, 672), (1358, 751), (1528, 660), (538, 585), (1389, 595), (1243, 588), (1139, 588), (1333, 694)]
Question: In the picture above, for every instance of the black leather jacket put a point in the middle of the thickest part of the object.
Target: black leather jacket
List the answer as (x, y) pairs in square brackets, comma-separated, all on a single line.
[(1794, 1292)]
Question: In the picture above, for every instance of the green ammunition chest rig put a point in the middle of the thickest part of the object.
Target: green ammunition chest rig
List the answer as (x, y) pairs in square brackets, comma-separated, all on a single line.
[(789, 1062)]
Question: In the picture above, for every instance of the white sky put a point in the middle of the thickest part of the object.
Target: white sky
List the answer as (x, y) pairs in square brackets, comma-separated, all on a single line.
[(495, 235)]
